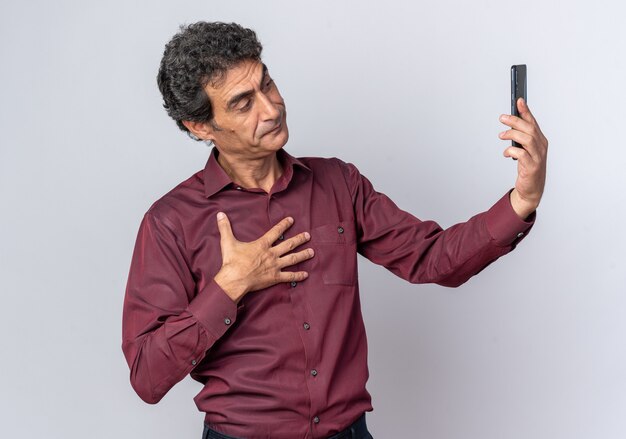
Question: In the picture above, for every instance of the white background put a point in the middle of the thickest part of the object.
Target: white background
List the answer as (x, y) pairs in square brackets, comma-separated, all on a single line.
[(410, 92)]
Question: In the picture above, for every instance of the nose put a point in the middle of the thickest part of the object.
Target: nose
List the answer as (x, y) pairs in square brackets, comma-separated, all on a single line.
[(269, 110)]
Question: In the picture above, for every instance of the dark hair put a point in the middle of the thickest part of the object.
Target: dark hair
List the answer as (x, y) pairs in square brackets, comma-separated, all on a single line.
[(201, 53)]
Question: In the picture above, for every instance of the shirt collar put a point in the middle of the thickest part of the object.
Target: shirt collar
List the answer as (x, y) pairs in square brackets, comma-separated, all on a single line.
[(216, 179)]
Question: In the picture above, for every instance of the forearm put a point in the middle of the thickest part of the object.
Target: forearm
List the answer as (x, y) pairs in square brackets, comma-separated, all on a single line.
[(459, 253), (485, 238), (161, 358), (162, 349), (423, 252)]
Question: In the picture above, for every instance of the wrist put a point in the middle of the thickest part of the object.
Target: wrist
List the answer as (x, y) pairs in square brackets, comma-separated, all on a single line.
[(233, 288), (522, 207)]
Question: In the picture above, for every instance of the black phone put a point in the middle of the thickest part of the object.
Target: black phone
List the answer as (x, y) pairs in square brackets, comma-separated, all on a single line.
[(518, 90)]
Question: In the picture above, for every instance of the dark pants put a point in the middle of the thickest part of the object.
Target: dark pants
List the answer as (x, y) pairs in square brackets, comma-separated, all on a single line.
[(358, 430)]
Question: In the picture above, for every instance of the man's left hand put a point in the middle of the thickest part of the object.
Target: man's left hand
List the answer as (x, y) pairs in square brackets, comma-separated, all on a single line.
[(531, 159)]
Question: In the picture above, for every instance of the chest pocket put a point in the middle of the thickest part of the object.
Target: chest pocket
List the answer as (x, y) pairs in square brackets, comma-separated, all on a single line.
[(335, 252)]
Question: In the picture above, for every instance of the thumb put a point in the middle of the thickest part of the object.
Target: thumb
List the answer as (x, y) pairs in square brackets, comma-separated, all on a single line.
[(226, 232)]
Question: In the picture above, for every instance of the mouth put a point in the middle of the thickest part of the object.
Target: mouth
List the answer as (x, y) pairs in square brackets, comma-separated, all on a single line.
[(276, 128)]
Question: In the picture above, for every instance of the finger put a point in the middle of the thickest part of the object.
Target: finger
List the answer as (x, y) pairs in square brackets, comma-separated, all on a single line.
[(517, 123), (292, 276), (518, 154), (523, 139), (272, 234), (535, 146), (527, 115), (292, 243), (524, 111), (223, 225), (295, 258)]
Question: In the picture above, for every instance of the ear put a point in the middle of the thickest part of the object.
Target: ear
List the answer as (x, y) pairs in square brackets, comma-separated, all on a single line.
[(202, 130)]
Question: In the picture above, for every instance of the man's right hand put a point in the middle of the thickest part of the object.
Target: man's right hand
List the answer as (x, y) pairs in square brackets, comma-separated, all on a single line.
[(251, 266)]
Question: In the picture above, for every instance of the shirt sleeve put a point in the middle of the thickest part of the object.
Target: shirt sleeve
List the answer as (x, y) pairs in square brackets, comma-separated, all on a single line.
[(421, 251), (166, 327)]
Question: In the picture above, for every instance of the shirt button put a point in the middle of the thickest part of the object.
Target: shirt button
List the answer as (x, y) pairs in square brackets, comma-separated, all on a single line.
[(314, 372), (238, 188), (194, 362), (281, 237), (227, 321), (293, 284), (340, 229), (316, 420), (520, 234), (307, 326)]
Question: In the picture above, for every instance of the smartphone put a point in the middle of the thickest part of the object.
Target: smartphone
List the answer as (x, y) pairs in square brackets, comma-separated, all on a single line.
[(518, 90)]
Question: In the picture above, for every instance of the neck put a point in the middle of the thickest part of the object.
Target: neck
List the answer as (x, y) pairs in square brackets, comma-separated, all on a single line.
[(252, 173)]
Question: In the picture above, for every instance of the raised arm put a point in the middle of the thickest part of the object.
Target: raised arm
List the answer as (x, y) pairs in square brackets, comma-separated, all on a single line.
[(421, 251)]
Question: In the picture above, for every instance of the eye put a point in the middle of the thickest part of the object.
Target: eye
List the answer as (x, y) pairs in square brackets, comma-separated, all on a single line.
[(245, 107), (269, 83)]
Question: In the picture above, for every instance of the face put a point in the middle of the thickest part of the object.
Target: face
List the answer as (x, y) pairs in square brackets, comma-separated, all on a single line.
[(249, 120)]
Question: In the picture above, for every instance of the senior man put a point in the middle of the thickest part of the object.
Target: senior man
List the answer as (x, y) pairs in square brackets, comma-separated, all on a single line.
[(245, 274)]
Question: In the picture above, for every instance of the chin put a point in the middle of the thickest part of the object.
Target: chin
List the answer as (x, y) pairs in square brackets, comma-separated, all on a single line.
[(285, 133), (280, 139)]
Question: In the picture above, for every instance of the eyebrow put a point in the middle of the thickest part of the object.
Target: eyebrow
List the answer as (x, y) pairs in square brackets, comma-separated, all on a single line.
[(244, 94)]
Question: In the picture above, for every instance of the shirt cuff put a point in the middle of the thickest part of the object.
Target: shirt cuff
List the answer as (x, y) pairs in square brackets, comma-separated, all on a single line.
[(504, 225), (214, 309)]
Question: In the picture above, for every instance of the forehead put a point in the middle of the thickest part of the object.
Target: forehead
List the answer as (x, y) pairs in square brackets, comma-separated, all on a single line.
[(242, 77)]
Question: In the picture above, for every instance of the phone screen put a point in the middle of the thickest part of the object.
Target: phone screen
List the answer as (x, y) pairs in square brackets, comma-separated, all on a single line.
[(518, 89)]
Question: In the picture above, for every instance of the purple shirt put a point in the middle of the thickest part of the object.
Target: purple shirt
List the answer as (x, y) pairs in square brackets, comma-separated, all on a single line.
[(289, 361)]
